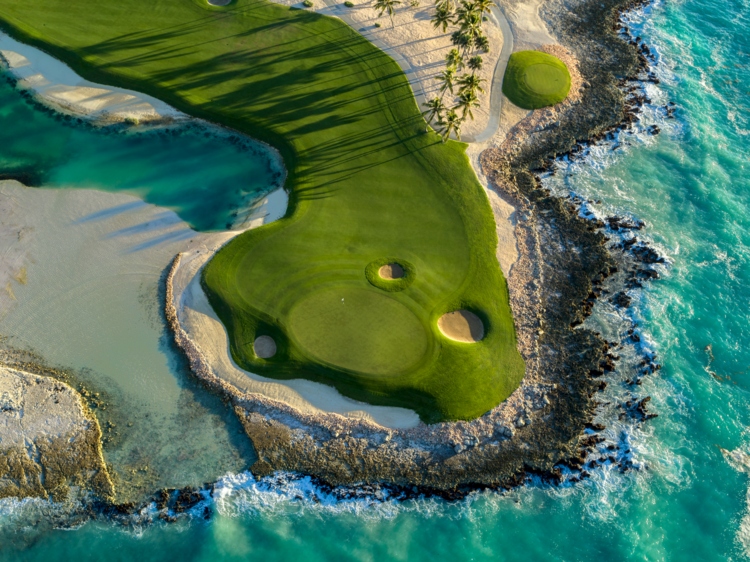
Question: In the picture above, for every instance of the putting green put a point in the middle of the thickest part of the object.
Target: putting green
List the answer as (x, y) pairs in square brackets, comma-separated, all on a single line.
[(545, 79), (533, 79), (360, 330), (366, 184)]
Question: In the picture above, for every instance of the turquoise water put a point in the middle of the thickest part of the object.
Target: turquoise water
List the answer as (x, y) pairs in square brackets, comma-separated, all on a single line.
[(687, 501), (209, 177)]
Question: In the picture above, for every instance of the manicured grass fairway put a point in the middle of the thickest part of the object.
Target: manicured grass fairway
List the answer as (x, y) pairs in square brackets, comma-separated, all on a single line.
[(366, 182), (533, 79)]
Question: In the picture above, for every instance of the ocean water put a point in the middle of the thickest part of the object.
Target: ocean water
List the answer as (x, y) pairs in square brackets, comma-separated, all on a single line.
[(688, 497)]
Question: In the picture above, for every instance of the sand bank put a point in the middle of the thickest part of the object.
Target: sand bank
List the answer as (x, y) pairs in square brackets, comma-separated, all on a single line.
[(57, 85), (91, 305)]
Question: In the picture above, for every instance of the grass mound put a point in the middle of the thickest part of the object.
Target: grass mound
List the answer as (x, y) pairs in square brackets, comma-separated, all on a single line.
[(365, 181), (372, 272), (534, 79)]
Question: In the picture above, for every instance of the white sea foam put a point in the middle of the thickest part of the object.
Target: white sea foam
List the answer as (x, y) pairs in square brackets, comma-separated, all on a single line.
[(591, 178)]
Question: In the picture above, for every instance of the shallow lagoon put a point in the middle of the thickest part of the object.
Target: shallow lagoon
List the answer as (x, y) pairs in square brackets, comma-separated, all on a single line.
[(86, 279), (207, 175)]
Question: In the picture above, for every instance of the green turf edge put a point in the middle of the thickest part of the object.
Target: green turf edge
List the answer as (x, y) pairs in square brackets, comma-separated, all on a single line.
[(515, 88), (391, 285), (466, 195)]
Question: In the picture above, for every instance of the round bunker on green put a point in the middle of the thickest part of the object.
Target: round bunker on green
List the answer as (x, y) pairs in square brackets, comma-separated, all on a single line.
[(534, 79), (360, 330)]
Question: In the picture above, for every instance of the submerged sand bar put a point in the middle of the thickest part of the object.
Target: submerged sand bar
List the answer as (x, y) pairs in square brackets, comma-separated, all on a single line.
[(62, 88)]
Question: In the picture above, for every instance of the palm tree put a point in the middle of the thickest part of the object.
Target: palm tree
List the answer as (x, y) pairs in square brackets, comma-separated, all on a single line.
[(462, 40), (446, 77), (467, 101), (435, 110), (455, 59), (483, 6), (466, 9), (451, 124), (470, 83), (471, 23), (442, 17), (386, 6), (445, 4), (483, 43), (475, 63)]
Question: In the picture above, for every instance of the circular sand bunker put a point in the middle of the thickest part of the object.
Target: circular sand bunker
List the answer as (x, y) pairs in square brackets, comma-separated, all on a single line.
[(264, 347), (219, 3), (391, 274), (461, 325), (391, 271)]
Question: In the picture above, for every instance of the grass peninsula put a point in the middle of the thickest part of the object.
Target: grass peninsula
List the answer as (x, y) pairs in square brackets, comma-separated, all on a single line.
[(366, 184)]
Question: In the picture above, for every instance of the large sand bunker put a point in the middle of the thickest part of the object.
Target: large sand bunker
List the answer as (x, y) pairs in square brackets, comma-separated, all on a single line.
[(391, 271), (461, 325)]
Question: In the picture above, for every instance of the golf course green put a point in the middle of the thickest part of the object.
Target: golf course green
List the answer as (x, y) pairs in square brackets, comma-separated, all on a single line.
[(368, 187), (534, 79)]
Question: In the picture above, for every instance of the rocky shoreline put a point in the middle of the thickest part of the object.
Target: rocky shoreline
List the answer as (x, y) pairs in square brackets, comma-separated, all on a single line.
[(50, 441), (546, 427)]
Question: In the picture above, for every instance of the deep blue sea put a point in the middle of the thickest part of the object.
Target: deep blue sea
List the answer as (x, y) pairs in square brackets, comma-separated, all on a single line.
[(688, 498)]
